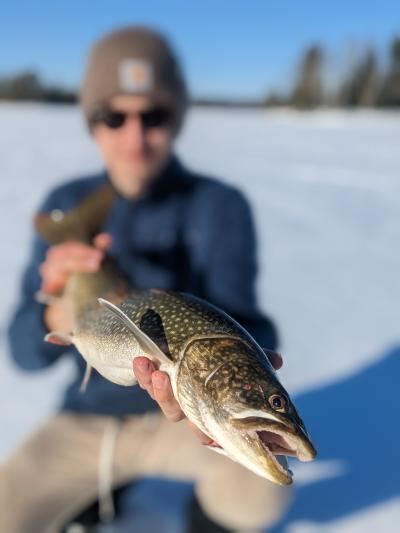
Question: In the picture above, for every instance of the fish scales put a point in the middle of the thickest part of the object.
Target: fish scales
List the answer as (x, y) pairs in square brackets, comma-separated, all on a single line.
[(169, 319), (183, 317), (220, 376)]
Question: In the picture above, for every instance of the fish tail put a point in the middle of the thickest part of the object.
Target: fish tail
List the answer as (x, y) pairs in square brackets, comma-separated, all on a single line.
[(81, 223)]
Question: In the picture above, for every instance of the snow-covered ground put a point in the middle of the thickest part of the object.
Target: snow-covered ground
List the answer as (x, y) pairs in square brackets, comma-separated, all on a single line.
[(325, 188)]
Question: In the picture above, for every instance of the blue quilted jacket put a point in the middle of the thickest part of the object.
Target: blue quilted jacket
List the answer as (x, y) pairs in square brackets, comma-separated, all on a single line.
[(188, 233)]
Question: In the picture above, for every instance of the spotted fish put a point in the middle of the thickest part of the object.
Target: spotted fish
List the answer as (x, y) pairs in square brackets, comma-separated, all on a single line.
[(221, 378)]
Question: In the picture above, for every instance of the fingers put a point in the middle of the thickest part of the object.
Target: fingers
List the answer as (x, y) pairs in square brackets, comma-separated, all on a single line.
[(158, 385), (165, 398), (74, 256), (143, 369), (275, 359), (64, 259), (102, 241), (203, 438)]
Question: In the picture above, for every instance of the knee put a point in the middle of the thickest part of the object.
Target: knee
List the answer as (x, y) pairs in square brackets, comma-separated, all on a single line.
[(17, 503), (250, 503)]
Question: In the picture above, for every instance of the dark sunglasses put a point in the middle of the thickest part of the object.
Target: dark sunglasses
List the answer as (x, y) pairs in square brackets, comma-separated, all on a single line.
[(157, 117)]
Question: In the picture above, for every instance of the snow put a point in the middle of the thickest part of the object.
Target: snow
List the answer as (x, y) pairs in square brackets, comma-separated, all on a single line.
[(325, 188)]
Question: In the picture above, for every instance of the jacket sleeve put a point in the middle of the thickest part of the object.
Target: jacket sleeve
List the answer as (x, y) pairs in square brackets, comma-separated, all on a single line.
[(26, 330), (231, 264)]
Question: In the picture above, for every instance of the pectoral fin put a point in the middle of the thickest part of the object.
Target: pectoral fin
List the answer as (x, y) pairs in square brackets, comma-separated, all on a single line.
[(46, 299), (62, 339), (86, 377), (217, 449), (148, 346)]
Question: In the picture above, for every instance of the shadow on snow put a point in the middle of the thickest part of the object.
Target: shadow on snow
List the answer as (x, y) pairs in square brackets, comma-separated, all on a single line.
[(354, 421)]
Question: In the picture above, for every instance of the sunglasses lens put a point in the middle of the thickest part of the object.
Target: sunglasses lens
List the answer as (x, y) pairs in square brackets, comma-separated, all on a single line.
[(114, 119), (156, 118), (153, 118)]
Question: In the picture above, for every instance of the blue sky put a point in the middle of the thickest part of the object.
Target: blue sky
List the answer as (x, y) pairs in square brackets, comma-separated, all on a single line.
[(234, 48)]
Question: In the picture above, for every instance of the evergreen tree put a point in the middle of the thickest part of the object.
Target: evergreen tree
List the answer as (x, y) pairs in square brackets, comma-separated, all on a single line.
[(28, 86), (308, 91), (361, 86), (390, 93), (24, 86)]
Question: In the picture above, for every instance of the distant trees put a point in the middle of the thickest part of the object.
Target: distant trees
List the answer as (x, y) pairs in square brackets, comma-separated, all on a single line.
[(25, 86), (363, 84), (308, 91), (390, 92), (28, 86)]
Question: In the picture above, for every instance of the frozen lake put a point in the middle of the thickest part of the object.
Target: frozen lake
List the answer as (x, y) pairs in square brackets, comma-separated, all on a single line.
[(325, 188)]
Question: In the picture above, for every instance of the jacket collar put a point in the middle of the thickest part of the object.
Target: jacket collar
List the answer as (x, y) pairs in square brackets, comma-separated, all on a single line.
[(172, 178)]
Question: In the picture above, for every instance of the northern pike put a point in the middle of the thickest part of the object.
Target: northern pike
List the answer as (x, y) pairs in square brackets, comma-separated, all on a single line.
[(221, 378)]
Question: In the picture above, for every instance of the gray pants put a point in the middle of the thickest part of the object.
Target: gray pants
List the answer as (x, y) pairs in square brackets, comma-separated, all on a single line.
[(59, 470)]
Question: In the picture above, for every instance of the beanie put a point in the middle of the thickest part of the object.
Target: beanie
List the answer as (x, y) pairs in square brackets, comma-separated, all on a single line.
[(138, 61)]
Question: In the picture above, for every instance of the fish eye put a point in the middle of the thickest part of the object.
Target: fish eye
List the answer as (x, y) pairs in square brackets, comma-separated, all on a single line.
[(277, 402)]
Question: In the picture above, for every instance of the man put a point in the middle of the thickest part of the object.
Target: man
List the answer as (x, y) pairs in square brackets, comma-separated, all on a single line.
[(167, 228)]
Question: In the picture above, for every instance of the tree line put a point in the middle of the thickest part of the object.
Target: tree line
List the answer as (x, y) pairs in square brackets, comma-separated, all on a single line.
[(27, 86), (363, 83)]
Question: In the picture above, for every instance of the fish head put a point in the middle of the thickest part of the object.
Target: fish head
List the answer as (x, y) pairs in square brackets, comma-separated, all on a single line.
[(250, 414)]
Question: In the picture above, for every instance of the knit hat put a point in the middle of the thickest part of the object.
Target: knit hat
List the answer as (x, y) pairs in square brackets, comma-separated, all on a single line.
[(133, 60)]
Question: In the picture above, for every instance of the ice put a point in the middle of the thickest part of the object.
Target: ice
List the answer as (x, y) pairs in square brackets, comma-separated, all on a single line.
[(325, 188)]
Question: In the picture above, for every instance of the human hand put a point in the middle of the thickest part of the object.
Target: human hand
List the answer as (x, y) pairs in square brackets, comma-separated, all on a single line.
[(71, 257), (158, 385), (63, 260)]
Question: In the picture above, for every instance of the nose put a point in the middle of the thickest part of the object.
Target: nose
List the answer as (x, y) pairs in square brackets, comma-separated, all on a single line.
[(133, 134)]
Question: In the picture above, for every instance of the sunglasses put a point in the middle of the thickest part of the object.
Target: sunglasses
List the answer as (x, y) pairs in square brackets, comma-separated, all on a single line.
[(157, 117)]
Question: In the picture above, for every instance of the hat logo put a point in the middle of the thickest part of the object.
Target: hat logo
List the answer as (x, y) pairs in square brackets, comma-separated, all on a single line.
[(135, 75)]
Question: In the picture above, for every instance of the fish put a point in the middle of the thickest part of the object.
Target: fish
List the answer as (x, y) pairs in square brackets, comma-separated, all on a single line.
[(221, 378), (82, 224)]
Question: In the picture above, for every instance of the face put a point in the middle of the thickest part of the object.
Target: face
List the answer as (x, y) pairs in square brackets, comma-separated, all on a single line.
[(133, 153)]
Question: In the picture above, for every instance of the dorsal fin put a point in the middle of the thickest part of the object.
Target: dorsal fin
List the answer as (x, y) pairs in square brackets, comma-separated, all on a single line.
[(149, 347)]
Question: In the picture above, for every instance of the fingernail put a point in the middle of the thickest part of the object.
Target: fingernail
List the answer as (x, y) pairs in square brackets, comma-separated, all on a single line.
[(143, 365)]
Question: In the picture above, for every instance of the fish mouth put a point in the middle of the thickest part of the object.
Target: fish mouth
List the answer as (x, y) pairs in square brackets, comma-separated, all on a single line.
[(274, 442), (276, 450), (283, 440)]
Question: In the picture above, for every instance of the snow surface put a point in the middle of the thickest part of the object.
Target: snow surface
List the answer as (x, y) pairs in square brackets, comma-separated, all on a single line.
[(325, 187)]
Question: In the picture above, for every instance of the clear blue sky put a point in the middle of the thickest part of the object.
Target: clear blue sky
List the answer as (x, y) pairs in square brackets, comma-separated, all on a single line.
[(228, 47)]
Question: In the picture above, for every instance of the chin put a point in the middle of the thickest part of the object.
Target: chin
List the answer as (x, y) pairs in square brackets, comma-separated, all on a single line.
[(132, 178), (131, 184)]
